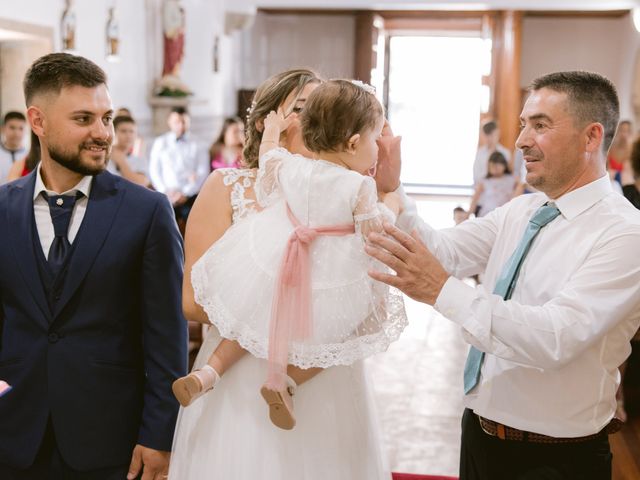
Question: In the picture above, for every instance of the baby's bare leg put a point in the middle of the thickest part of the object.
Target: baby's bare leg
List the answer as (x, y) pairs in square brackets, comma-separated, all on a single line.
[(225, 355), (301, 375)]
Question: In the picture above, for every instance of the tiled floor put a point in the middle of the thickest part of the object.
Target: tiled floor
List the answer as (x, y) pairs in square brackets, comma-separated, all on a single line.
[(418, 388), (418, 381)]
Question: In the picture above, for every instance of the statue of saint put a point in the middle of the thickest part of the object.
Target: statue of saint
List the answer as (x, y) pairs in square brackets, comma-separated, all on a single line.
[(68, 27), (173, 26)]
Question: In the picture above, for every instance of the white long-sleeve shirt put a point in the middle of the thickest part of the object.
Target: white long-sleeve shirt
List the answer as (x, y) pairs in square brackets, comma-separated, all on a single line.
[(178, 164), (554, 349)]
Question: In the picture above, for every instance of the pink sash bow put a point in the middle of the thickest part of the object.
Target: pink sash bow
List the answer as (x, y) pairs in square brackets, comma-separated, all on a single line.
[(291, 315)]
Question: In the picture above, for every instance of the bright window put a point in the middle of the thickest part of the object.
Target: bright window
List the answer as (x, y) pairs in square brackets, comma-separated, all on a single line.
[(435, 99)]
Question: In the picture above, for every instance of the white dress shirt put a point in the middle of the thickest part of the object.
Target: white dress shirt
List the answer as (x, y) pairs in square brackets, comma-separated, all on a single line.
[(178, 164), (44, 223), (554, 349), (137, 165)]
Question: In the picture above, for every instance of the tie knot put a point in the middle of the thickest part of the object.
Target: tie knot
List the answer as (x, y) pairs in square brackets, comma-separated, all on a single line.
[(305, 234), (63, 202), (545, 214)]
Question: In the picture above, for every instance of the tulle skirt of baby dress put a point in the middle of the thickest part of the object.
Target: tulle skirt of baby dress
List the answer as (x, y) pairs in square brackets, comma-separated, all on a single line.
[(226, 433), (351, 315)]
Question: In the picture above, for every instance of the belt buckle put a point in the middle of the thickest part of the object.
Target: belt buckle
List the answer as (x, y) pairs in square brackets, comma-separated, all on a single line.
[(481, 421)]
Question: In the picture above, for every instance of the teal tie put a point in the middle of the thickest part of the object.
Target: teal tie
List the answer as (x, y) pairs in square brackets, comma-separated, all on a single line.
[(506, 282)]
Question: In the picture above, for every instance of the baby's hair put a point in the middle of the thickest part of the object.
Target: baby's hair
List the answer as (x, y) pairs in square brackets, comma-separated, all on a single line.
[(334, 112)]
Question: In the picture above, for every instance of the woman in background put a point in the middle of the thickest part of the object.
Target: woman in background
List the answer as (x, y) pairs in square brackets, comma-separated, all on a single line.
[(226, 151)]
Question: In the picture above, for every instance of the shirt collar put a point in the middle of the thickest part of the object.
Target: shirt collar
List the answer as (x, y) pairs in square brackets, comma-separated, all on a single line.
[(577, 201), (83, 186), (183, 138)]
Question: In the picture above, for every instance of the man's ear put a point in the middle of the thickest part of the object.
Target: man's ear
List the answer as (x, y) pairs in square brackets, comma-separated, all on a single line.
[(352, 143), (36, 119), (594, 136)]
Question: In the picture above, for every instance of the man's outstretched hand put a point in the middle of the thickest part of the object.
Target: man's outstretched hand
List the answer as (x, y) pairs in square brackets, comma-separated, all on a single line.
[(388, 169)]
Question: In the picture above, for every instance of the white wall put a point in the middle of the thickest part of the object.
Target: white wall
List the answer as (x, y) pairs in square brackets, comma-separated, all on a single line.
[(604, 45), (275, 43)]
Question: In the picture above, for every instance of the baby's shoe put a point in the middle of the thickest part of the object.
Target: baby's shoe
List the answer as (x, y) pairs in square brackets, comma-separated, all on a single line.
[(281, 405), (194, 385)]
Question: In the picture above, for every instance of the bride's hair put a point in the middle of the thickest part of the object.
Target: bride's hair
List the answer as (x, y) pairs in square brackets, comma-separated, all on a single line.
[(269, 96), (337, 110)]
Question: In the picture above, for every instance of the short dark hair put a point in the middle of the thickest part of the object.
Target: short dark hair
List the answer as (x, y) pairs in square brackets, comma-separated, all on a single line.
[(13, 115), (592, 98), (458, 209), (489, 127), (122, 119), (180, 110), (334, 112), (53, 72)]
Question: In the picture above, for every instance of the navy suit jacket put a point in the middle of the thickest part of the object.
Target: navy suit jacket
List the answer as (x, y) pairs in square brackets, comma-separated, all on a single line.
[(102, 363)]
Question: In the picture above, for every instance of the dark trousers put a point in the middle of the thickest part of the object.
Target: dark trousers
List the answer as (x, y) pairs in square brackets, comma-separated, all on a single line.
[(485, 457), (49, 465)]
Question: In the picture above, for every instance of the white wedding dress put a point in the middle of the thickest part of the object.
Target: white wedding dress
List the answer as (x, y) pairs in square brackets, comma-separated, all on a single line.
[(226, 434)]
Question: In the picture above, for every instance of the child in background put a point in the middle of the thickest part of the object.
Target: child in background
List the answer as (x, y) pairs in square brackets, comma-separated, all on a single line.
[(496, 189), (290, 283)]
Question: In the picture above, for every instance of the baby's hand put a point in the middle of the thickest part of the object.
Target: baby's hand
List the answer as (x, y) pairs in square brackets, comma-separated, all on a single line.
[(277, 120)]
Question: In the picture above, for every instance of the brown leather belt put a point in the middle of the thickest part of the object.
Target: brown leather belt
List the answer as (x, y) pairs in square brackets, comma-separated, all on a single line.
[(503, 432)]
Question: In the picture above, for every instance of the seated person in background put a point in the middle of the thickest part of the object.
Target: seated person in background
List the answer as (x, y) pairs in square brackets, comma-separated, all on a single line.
[(619, 154), (12, 145), (497, 188), (25, 165), (489, 143), (178, 165), (138, 148), (226, 151), (123, 162)]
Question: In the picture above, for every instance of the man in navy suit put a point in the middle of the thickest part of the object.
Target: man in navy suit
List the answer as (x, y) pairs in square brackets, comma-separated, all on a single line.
[(91, 328)]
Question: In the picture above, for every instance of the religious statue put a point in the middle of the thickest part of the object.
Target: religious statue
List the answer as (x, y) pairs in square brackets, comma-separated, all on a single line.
[(173, 28), (68, 27), (113, 37)]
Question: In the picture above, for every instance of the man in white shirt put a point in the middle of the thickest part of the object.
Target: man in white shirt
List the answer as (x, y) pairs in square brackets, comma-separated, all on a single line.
[(12, 146), (544, 399), (178, 165), (490, 144)]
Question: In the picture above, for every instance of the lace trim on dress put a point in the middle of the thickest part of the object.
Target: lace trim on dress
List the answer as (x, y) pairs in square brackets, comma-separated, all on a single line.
[(325, 355), (240, 180)]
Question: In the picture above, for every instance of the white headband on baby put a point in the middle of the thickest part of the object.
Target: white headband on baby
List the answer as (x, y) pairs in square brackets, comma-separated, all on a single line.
[(365, 86)]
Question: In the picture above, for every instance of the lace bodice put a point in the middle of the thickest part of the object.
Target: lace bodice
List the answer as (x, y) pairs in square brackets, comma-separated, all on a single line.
[(240, 180)]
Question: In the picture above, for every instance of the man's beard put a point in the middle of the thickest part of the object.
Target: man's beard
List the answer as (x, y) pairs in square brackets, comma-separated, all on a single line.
[(73, 161)]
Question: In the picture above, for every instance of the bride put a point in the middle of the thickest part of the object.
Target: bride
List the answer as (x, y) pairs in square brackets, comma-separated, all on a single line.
[(227, 433)]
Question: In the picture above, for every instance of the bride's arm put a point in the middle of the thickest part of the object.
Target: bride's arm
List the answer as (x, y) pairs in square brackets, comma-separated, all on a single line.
[(209, 218)]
